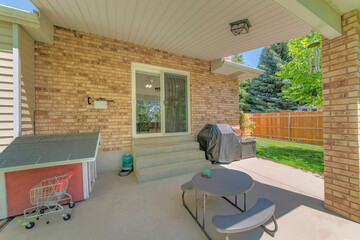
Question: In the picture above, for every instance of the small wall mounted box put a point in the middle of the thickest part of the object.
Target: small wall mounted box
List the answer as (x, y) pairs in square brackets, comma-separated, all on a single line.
[(100, 104)]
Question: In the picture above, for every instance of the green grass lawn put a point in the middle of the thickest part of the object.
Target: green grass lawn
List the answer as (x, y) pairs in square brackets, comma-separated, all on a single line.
[(299, 155)]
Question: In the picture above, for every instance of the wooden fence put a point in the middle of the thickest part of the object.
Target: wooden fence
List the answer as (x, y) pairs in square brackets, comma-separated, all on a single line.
[(305, 127)]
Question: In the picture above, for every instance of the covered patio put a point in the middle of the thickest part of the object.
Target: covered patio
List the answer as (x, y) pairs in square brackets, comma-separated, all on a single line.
[(53, 63), (119, 208)]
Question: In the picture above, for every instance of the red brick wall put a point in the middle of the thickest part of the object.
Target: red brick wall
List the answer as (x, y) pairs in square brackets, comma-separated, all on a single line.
[(341, 80), (79, 65)]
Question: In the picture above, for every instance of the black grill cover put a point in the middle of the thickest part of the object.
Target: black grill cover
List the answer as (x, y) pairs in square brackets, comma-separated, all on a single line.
[(220, 142)]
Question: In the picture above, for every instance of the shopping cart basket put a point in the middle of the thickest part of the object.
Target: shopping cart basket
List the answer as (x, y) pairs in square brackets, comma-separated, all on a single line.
[(46, 196)]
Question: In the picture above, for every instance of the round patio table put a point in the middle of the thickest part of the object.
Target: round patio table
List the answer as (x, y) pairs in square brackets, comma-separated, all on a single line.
[(223, 183)]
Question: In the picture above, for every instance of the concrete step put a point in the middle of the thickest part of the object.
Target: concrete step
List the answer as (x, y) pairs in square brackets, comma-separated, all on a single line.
[(167, 158), (159, 140), (159, 148), (171, 170)]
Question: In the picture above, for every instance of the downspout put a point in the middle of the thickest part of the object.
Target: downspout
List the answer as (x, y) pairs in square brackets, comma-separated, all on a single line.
[(17, 80)]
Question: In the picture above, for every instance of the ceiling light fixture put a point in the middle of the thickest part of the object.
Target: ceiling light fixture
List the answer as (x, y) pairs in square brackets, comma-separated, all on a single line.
[(240, 27), (149, 85)]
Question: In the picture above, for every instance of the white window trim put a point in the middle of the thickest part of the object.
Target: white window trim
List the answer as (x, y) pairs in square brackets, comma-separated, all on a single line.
[(160, 70)]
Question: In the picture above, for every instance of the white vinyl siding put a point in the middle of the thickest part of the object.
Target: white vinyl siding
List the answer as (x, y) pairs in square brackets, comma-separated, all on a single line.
[(6, 85), (26, 51)]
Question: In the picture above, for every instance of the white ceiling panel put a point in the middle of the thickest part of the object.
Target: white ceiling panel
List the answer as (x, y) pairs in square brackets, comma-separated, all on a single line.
[(197, 29)]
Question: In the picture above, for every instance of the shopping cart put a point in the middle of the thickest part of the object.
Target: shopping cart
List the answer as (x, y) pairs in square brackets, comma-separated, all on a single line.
[(46, 196)]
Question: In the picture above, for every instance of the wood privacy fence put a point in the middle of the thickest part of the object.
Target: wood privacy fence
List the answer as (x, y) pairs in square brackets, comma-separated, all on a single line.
[(305, 127)]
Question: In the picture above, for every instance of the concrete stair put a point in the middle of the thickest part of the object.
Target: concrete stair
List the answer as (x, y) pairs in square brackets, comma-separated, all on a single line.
[(163, 157)]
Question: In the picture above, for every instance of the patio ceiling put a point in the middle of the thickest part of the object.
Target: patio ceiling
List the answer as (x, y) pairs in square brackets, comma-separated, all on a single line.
[(197, 29)]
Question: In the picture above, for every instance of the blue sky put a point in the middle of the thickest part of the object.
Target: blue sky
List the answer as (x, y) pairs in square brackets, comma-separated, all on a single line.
[(251, 57), (19, 4)]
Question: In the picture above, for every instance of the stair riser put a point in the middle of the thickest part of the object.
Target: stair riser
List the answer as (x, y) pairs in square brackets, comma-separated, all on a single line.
[(166, 149), (157, 140), (168, 159), (161, 174), (163, 157)]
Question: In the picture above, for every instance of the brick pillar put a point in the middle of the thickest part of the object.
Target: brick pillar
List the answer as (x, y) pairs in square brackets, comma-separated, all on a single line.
[(341, 84)]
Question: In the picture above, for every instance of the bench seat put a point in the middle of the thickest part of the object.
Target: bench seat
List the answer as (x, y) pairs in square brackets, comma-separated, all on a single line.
[(188, 186), (255, 217)]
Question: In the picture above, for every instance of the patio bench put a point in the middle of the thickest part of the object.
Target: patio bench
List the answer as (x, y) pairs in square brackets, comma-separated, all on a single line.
[(255, 217)]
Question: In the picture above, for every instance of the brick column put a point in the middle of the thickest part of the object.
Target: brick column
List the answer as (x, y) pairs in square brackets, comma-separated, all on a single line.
[(341, 84)]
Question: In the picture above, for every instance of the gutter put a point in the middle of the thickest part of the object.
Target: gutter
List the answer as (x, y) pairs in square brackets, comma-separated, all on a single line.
[(18, 16), (242, 67), (241, 71), (36, 25)]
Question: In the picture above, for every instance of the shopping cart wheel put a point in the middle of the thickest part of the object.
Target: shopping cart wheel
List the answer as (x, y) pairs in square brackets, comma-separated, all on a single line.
[(67, 216), (71, 205), (30, 225)]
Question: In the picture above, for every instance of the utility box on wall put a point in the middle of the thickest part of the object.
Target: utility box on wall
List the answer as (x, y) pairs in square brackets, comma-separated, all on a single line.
[(100, 104)]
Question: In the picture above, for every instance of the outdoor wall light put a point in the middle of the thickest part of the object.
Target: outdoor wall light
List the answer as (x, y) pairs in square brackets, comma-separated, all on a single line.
[(240, 27)]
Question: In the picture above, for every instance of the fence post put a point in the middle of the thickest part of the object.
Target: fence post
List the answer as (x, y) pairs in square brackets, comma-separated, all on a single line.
[(289, 129)]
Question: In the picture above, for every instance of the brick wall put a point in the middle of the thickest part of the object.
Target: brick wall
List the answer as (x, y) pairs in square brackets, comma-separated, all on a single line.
[(79, 65), (341, 79)]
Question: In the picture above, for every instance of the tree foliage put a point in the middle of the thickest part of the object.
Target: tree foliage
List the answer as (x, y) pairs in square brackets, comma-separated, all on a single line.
[(238, 58), (244, 96), (302, 82), (264, 93)]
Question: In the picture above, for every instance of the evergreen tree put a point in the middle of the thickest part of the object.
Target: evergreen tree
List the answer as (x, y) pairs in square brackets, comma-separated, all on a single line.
[(265, 91), (244, 96), (243, 86)]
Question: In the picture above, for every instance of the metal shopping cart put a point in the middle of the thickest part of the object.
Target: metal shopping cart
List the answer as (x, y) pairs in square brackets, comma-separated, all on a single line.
[(46, 196)]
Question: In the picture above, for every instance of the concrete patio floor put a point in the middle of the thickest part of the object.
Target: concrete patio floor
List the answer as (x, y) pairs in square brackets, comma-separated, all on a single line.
[(119, 208)]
